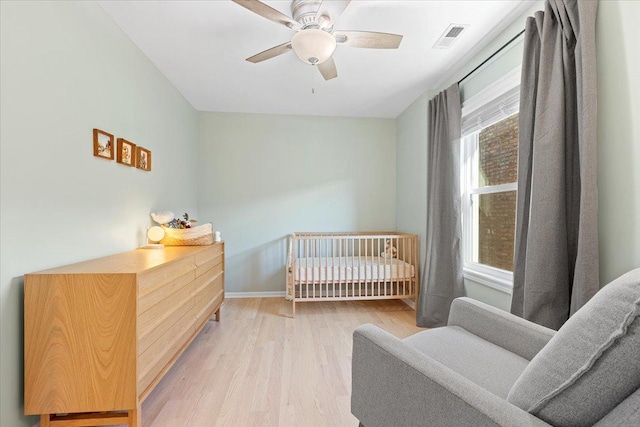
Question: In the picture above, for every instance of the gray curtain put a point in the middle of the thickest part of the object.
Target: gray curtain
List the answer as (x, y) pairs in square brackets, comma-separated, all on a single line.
[(442, 276), (556, 247)]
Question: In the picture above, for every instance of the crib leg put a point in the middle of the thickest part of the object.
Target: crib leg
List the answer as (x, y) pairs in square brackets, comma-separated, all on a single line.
[(294, 306)]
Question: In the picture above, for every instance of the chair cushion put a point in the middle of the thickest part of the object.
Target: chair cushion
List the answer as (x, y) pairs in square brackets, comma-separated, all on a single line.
[(624, 415), (591, 364), (486, 364)]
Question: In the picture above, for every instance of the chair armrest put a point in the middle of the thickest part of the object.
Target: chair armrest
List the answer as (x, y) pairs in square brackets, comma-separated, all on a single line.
[(396, 385), (504, 329)]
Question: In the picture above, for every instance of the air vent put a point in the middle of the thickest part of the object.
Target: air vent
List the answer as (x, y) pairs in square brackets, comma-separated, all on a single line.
[(450, 35)]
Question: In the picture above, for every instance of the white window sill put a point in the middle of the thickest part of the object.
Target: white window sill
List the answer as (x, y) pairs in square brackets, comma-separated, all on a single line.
[(501, 282)]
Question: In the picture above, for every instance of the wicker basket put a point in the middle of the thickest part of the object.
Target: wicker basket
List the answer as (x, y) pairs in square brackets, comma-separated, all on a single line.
[(194, 236)]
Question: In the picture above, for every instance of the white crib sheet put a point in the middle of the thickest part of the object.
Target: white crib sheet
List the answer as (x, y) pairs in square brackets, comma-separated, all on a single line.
[(347, 269)]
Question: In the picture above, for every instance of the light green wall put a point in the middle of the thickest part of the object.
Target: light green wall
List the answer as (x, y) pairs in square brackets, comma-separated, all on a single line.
[(618, 134), (618, 137), (411, 177), (67, 68), (265, 176)]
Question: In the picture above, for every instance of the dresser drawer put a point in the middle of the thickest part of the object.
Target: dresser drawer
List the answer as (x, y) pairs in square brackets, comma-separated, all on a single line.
[(159, 277), (209, 300), (207, 276), (208, 293), (157, 316), (156, 357), (209, 254), (214, 263), (209, 307), (160, 293), (182, 309)]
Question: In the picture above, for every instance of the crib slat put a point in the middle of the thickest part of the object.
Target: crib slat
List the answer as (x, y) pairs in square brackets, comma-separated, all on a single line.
[(365, 266), (319, 256), (410, 261), (387, 265), (299, 267), (381, 263), (404, 271), (371, 264), (307, 253), (368, 269), (326, 268), (413, 256), (320, 268), (341, 241), (333, 271), (377, 285), (346, 264), (361, 269), (293, 271), (416, 269), (353, 267)]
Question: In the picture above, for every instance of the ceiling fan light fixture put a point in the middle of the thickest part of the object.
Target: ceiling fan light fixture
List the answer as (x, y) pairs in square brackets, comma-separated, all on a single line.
[(313, 46)]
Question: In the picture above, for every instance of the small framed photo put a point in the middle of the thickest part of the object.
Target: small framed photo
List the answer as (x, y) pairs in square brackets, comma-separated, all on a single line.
[(103, 144), (143, 158), (126, 152)]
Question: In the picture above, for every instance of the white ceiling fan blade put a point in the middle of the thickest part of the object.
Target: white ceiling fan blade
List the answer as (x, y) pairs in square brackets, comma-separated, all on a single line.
[(270, 53), (328, 69), (268, 12), (368, 39), (332, 9)]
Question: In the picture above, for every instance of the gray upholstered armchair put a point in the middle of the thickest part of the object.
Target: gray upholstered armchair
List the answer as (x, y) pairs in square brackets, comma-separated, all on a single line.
[(490, 368)]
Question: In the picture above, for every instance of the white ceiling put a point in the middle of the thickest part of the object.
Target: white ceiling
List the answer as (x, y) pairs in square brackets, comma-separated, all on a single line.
[(201, 47)]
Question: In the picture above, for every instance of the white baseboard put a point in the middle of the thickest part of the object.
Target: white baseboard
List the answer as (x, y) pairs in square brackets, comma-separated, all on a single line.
[(270, 294)]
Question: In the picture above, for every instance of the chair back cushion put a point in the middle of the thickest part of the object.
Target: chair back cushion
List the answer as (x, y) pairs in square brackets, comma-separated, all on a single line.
[(624, 415), (591, 364)]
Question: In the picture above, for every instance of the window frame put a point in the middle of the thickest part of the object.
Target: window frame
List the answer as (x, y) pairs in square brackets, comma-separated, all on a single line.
[(487, 275)]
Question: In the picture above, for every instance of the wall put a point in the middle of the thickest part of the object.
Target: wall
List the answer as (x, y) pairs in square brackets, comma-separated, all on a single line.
[(411, 177), (617, 35), (67, 68), (262, 177), (618, 132)]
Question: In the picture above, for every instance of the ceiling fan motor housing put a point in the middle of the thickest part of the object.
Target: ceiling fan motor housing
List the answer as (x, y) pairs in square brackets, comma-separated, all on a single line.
[(304, 12)]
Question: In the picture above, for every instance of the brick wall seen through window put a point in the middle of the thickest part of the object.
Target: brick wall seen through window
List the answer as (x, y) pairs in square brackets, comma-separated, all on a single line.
[(498, 158)]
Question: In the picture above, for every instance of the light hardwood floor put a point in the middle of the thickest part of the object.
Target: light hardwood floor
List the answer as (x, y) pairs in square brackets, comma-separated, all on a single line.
[(260, 367)]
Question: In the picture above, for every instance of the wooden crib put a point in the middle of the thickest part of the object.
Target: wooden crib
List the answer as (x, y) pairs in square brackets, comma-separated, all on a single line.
[(352, 266)]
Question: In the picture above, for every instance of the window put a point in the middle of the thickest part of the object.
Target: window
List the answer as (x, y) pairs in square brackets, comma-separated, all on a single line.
[(489, 182)]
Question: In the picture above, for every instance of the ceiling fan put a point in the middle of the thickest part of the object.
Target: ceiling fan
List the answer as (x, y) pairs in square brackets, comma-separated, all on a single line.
[(315, 40)]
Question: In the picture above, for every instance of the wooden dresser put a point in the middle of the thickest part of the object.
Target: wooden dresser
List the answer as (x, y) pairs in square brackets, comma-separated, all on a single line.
[(99, 335)]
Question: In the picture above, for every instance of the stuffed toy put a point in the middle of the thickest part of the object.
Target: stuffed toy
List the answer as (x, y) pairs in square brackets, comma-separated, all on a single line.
[(390, 251)]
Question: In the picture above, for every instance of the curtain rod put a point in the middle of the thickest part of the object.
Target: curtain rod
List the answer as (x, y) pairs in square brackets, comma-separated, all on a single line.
[(492, 55)]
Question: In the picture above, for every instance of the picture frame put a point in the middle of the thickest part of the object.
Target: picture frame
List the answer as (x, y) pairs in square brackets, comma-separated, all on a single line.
[(143, 158), (103, 144), (126, 152)]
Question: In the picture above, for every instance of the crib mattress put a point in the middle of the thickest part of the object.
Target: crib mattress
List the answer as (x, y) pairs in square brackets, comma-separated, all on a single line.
[(348, 269)]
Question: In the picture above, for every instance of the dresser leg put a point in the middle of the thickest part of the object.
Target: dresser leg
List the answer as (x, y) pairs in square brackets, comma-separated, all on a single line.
[(217, 314), (133, 418), (45, 420)]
